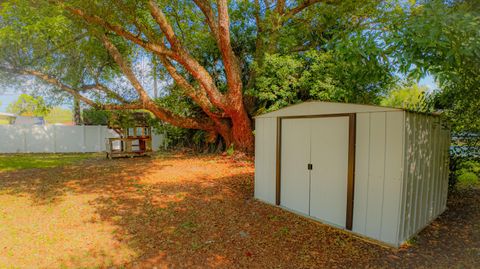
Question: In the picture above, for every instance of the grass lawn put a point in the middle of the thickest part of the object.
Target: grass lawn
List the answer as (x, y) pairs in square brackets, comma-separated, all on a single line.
[(180, 211), (10, 162)]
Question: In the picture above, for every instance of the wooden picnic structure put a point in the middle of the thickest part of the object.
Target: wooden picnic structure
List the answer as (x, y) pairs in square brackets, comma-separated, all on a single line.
[(135, 140)]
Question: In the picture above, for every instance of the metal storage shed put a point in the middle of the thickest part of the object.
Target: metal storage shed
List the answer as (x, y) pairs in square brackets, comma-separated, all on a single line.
[(379, 172)]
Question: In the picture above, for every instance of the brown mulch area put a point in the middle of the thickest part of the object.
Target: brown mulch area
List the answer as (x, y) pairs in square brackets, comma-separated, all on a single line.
[(181, 211)]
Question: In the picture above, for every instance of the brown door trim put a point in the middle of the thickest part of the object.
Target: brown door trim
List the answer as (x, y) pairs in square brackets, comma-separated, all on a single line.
[(352, 135), (278, 160), (351, 159)]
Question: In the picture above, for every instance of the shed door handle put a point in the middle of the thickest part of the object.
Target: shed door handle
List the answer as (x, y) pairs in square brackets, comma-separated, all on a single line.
[(310, 166)]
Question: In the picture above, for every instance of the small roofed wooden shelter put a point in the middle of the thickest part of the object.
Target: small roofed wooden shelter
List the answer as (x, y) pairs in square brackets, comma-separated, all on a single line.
[(8, 117), (134, 140), (378, 172)]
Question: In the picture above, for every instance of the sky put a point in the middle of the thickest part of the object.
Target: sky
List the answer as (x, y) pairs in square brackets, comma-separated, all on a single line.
[(429, 82), (142, 69), (8, 98)]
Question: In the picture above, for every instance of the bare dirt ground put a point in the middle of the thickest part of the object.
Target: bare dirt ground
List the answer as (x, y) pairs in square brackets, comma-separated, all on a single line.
[(181, 211)]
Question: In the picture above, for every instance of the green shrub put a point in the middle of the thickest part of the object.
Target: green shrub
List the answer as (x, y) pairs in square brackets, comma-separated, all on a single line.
[(467, 179), (471, 165), (231, 150), (93, 116), (465, 173)]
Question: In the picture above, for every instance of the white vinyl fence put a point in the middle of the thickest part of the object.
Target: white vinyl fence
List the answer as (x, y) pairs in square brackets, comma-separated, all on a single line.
[(58, 139)]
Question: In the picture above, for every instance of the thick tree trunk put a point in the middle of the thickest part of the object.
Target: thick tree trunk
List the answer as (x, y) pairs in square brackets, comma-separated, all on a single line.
[(77, 117), (226, 112), (155, 84), (224, 130), (242, 133)]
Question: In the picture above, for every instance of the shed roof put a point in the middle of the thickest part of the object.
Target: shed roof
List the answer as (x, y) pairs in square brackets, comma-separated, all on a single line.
[(321, 108), (7, 115)]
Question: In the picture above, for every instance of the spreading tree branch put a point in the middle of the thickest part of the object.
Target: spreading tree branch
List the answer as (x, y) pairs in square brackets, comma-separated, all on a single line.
[(181, 56), (74, 92), (56, 82), (305, 4), (109, 92), (230, 61), (119, 30), (147, 102), (207, 10), (280, 8)]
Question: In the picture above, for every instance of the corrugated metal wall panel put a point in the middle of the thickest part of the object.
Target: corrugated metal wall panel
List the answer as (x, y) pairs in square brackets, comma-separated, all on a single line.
[(408, 176), (426, 175), (424, 170), (433, 168), (361, 172), (376, 175), (259, 189), (417, 172), (441, 172), (445, 151), (265, 159), (438, 174), (435, 172), (400, 174), (405, 201), (443, 178), (393, 177)]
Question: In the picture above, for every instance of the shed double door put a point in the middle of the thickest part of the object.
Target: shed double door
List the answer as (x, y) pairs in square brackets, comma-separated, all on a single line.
[(314, 167)]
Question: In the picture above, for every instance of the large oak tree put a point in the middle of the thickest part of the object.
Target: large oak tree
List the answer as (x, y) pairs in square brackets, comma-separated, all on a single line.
[(178, 34)]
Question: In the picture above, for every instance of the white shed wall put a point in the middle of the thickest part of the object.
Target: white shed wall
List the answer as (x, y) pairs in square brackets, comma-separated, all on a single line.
[(425, 181), (378, 171), (401, 167), (378, 175), (265, 159)]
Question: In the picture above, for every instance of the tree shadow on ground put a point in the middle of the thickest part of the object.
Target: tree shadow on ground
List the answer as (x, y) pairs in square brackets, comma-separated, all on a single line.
[(49, 185), (191, 211), (452, 240), (199, 211), (215, 222)]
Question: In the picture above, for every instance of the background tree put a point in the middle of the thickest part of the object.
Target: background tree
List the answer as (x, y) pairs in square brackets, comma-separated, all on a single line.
[(442, 39), (27, 105), (223, 61), (209, 62), (413, 97)]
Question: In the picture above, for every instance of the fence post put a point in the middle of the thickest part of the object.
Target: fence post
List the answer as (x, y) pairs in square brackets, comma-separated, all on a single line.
[(84, 146), (24, 133), (54, 138)]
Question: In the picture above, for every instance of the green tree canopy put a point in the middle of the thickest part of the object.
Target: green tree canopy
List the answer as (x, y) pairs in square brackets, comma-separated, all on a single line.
[(221, 62), (212, 53), (441, 38), (409, 97), (27, 105)]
